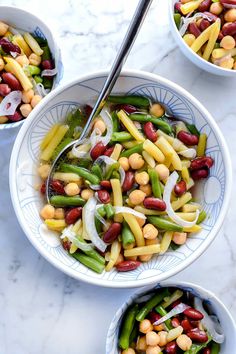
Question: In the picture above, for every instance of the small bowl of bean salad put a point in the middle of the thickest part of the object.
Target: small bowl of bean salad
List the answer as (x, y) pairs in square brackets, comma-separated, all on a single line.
[(172, 318), (205, 31), (30, 64)]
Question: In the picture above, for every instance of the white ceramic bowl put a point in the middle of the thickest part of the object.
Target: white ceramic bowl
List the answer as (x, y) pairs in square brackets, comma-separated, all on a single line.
[(217, 307), (190, 54), (213, 193), (26, 21)]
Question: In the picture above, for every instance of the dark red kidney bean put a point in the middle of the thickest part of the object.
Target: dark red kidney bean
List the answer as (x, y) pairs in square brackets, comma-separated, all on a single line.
[(225, 3), (187, 138), (128, 181), (153, 316), (201, 162), (47, 64), (73, 215), (175, 322), (193, 29), (97, 150), (66, 245), (175, 303), (211, 16), (206, 351), (12, 81), (193, 314), (220, 36), (109, 151), (126, 266), (150, 131), (229, 29), (186, 325), (200, 174), (15, 117), (43, 188), (128, 108), (57, 187), (87, 110), (112, 233), (8, 46), (180, 188), (204, 6), (194, 324), (204, 24), (106, 184), (171, 348), (178, 7), (4, 90), (154, 203), (103, 196), (197, 335)]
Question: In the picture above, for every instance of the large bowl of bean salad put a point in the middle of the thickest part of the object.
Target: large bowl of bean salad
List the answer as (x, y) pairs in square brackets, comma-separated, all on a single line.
[(140, 198)]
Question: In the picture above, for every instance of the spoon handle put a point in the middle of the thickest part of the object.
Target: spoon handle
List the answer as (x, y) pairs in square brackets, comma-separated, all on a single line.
[(120, 59)]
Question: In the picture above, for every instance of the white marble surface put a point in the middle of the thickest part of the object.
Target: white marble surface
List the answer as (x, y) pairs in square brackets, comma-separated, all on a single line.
[(43, 311)]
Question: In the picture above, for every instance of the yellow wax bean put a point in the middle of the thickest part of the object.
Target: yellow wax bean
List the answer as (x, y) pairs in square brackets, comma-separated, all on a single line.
[(130, 126), (48, 137), (130, 144), (116, 152), (190, 6), (19, 40), (14, 67), (212, 40), (201, 147), (117, 197), (187, 216), (194, 228), (166, 241), (115, 251), (135, 228), (168, 150), (48, 151), (220, 52), (169, 138), (145, 211), (55, 225), (154, 151), (188, 208), (185, 174), (67, 177), (33, 44), (202, 39), (149, 159), (185, 198), (141, 251)]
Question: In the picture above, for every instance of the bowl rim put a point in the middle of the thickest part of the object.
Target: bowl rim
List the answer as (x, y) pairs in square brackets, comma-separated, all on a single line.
[(211, 66), (55, 41), (167, 283), (123, 283)]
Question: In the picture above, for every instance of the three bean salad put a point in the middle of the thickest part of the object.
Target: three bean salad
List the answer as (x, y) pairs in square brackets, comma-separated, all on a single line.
[(170, 321), (124, 194), (209, 28)]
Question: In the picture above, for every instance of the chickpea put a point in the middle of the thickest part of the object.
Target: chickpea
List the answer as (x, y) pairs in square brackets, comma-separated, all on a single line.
[(124, 163), (154, 241), (34, 59), (153, 350), (119, 259), (86, 194), (44, 170), (137, 197), (136, 161), (128, 351), (230, 15), (227, 64), (179, 238), (141, 344), (35, 100), (142, 178), (163, 171), (147, 189), (163, 338), (140, 221), (227, 42), (174, 333), (72, 189), (189, 39), (150, 232), (216, 8), (47, 212), (25, 109), (59, 213), (22, 60), (3, 28), (145, 326), (157, 110), (184, 342), (152, 338), (145, 257), (1, 64), (100, 125), (3, 119), (159, 327), (27, 96)]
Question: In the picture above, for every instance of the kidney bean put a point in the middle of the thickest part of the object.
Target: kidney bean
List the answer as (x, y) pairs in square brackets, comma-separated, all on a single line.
[(126, 266), (150, 131), (4, 90), (8, 46), (43, 188), (128, 181), (178, 7), (154, 203), (180, 188), (12, 81), (87, 110), (229, 29), (175, 303), (194, 324), (66, 245), (225, 3), (97, 150), (193, 314), (128, 108), (73, 215), (204, 6), (103, 196), (57, 187), (197, 335), (47, 64), (187, 138), (153, 316), (206, 351), (106, 184), (186, 325), (200, 174), (171, 348), (193, 29), (109, 151), (204, 24), (175, 322), (112, 233), (220, 36), (201, 162), (15, 117)]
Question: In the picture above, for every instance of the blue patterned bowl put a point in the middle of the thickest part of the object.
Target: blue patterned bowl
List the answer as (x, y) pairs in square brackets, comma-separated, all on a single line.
[(213, 193), (26, 21), (216, 306)]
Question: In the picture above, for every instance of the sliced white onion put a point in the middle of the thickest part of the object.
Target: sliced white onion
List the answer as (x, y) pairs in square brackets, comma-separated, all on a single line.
[(106, 117), (122, 175), (209, 323), (100, 218), (67, 232), (109, 161), (128, 210), (49, 72), (186, 21), (144, 298), (89, 211), (95, 137), (171, 182), (188, 153), (39, 89), (175, 311), (95, 187), (10, 103), (79, 150), (14, 54)]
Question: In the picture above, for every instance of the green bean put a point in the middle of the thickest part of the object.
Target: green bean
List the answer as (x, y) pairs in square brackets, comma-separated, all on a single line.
[(138, 101), (215, 348), (121, 136), (84, 163), (127, 235), (63, 201), (176, 295), (46, 53), (33, 70), (41, 41), (159, 122), (173, 246), (97, 171), (115, 174), (134, 334), (82, 172), (98, 225), (115, 122), (38, 79), (115, 166), (155, 182), (196, 348), (127, 327), (89, 262), (47, 83), (164, 224), (135, 149), (163, 312), (202, 217), (154, 301), (102, 211), (109, 211), (192, 129), (75, 119), (92, 253), (177, 19)]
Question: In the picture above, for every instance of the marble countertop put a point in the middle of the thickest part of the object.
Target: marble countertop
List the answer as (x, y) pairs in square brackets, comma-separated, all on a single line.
[(42, 310)]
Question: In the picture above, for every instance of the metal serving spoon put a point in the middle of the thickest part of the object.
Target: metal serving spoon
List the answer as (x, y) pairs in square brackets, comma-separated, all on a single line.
[(121, 57)]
